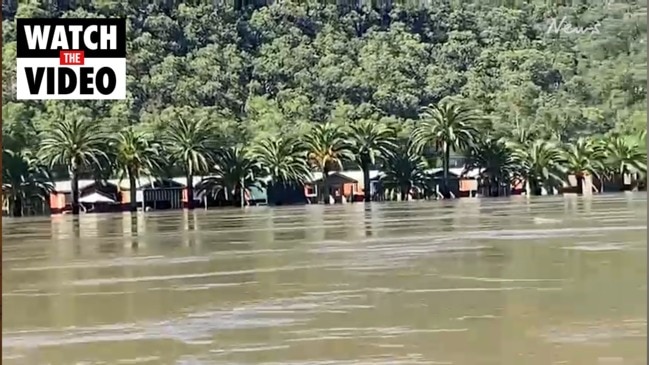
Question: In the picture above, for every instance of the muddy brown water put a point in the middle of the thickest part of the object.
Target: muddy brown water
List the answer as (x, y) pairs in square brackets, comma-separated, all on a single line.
[(549, 280)]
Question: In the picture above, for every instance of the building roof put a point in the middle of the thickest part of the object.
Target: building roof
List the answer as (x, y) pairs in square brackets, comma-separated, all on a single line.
[(65, 186), (315, 176), (456, 171), (351, 175), (472, 173), (95, 198), (358, 175), (195, 180)]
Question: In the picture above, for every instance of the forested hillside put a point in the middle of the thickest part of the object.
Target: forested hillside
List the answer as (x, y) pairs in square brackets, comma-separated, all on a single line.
[(258, 72)]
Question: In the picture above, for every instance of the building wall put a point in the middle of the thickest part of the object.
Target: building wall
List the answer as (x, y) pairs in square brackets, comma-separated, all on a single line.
[(350, 188), (286, 195), (125, 197), (177, 197), (57, 202), (468, 185)]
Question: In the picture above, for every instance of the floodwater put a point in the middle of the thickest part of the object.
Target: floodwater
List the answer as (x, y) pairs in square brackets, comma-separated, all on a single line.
[(549, 280)]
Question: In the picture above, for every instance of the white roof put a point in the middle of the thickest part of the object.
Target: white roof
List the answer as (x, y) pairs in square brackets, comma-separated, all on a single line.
[(124, 184), (473, 173), (457, 171), (66, 185), (358, 175), (315, 176), (183, 180), (96, 198), (351, 174)]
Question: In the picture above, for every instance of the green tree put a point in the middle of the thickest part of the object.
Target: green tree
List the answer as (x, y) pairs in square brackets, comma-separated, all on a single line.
[(625, 155), (541, 165), (134, 154), (327, 148), (189, 142), (584, 156), (76, 143), (283, 159), (266, 70), (24, 178), (496, 164), (446, 126), (404, 170), (234, 173), (370, 142)]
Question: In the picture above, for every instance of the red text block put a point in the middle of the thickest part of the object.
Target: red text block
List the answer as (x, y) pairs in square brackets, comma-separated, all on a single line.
[(71, 57)]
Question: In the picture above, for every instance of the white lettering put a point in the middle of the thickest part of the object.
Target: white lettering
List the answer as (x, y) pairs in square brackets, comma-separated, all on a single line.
[(596, 28), (37, 36), (108, 35), (86, 37), (59, 38), (76, 31), (569, 28), (554, 28)]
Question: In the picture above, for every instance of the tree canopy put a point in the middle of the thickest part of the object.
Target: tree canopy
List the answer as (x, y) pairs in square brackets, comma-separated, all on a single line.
[(249, 71), (261, 69)]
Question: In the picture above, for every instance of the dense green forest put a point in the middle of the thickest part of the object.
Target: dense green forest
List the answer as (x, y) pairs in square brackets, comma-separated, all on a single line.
[(532, 90)]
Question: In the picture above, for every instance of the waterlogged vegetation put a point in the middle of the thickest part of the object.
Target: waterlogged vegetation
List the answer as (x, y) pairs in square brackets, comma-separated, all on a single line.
[(267, 93)]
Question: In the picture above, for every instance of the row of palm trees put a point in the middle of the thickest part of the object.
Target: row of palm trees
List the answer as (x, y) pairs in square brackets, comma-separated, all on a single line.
[(194, 148)]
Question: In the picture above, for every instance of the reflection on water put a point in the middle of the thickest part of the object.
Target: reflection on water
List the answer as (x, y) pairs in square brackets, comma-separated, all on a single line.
[(553, 280)]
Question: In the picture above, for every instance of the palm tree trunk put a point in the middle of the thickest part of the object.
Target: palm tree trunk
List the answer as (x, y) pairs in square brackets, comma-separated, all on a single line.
[(74, 177), (405, 190), (325, 186), (17, 206), (505, 186), (535, 188), (580, 183), (190, 191), (242, 193), (270, 192), (493, 182), (366, 183), (446, 166), (132, 191)]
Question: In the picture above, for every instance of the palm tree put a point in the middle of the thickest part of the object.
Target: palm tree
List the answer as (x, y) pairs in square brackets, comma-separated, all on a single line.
[(327, 149), (447, 126), (135, 154), (540, 165), (583, 156), (625, 155), (188, 142), (403, 170), (76, 143), (234, 172), (24, 178), (283, 159), (370, 141), (494, 160)]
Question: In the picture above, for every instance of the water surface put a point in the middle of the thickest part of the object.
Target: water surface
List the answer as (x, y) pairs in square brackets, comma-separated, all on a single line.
[(550, 280)]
